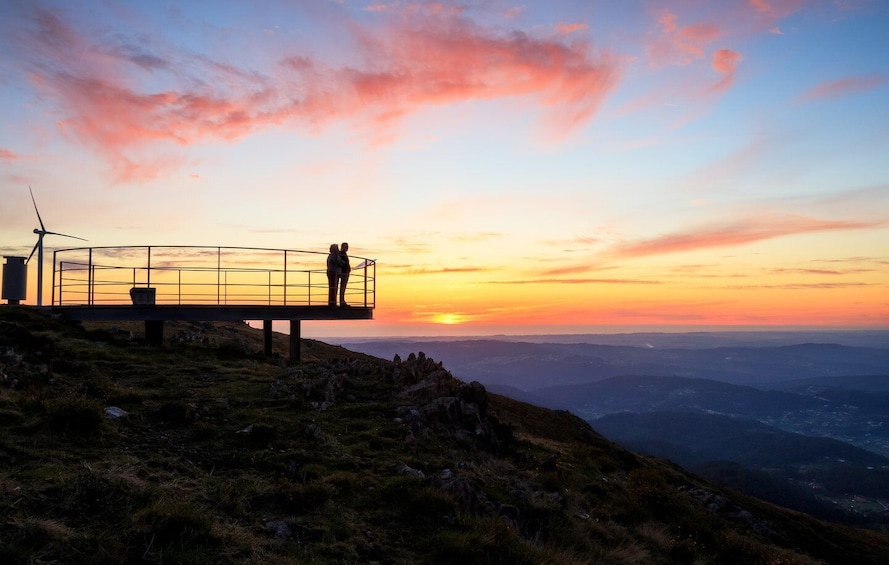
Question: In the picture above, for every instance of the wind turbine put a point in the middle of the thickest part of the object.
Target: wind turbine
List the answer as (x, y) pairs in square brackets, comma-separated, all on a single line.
[(38, 247)]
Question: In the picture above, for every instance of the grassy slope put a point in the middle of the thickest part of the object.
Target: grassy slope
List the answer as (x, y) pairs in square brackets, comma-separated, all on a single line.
[(226, 456)]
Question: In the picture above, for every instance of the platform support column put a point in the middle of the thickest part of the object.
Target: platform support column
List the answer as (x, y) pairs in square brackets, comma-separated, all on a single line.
[(154, 332), (294, 341), (267, 336)]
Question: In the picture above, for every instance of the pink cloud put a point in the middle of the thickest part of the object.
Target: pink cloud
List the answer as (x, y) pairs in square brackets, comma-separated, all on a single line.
[(680, 45), (766, 13), (725, 62), (674, 43), (566, 28), (761, 6), (421, 55), (667, 20), (842, 87), (691, 39), (736, 233), (7, 155)]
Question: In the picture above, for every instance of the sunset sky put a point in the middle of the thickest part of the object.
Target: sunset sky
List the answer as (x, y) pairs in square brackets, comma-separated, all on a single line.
[(514, 167)]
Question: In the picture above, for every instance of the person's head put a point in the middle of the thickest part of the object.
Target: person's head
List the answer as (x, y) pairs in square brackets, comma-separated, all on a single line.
[(344, 246), (333, 248)]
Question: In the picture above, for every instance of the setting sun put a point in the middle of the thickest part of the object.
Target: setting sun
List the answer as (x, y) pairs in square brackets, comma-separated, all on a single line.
[(448, 319)]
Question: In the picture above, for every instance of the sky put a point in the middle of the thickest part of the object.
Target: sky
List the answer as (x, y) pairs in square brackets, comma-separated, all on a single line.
[(513, 167)]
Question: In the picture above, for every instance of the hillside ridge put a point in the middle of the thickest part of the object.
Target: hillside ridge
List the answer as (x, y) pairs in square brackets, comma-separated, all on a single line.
[(204, 451)]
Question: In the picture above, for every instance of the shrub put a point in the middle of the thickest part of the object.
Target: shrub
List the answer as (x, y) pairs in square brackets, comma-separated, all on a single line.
[(174, 522), (72, 414)]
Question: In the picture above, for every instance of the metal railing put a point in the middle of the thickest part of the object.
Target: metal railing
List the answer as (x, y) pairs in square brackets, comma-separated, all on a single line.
[(198, 275)]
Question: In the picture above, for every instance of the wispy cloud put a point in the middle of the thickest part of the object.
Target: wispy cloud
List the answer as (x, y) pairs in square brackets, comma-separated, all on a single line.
[(730, 166), (408, 270), (567, 28), (419, 56), (820, 272), (477, 236), (766, 13), (579, 281), (680, 45), (761, 6), (879, 261), (735, 233), (725, 62), (810, 286), (7, 155), (573, 269), (842, 87)]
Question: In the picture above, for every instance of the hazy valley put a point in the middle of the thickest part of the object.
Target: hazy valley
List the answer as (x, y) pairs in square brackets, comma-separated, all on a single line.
[(799, 422)]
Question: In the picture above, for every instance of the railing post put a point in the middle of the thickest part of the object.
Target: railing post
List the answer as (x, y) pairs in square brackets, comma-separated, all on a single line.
[(218, 268), (179, 287), (365, 284), (54, 279), (61, 281), (310, 289), (90, 296), (148, 273), (285, 277)]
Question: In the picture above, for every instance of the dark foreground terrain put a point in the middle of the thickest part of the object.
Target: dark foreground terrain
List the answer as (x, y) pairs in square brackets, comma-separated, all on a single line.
[(203, 451)]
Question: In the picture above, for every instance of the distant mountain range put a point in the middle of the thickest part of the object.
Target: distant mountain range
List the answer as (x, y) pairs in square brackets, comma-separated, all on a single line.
[(805, 425), (529, 366)]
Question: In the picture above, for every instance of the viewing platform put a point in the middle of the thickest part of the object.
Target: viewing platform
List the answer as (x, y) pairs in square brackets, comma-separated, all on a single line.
[(198, 283)]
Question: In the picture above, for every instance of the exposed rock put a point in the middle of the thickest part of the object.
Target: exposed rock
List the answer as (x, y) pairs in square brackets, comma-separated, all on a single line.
[(403, 469), (463, 492), (444, 404), (313, 432), (275, 389), (279, 529), (115, 412), (334, 385), (722, 506)]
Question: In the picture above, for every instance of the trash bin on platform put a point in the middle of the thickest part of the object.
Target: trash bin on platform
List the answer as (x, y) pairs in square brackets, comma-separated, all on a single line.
[(15, 279), (143, 296)]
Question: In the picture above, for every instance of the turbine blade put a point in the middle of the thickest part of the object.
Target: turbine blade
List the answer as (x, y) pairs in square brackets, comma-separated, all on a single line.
[(36, 245), (39, 219), (64, 235)]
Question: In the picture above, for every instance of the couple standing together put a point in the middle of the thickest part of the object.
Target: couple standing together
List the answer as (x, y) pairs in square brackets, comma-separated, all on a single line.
[(337, 271)]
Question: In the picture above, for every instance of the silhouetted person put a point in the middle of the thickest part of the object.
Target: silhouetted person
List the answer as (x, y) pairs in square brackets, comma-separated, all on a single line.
[(345, 269), (334, 268)]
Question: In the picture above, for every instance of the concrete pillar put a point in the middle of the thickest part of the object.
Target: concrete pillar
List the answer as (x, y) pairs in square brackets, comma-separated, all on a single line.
[(267, 336), (294, 341)]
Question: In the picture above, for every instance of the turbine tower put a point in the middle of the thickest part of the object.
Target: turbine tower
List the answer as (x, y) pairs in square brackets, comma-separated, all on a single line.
[(38, 247)]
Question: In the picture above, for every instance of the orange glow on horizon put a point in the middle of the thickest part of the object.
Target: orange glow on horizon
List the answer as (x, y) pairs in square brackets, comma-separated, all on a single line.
[(449, 319)]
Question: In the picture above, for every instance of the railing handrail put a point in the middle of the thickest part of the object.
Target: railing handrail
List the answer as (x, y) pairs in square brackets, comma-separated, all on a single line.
[(101, 268)]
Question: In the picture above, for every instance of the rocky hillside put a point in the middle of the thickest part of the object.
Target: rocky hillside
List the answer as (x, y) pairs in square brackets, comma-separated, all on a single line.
[(204, 451)]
